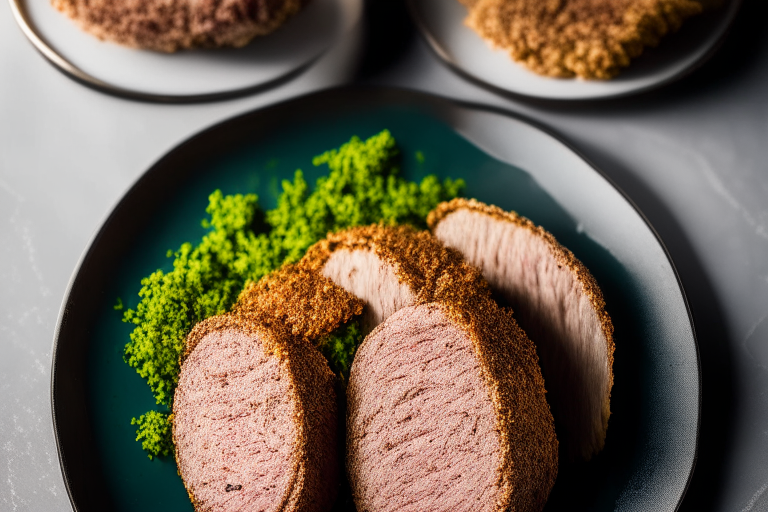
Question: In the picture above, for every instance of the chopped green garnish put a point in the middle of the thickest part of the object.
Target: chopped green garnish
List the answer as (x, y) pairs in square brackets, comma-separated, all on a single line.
[(154, 432)]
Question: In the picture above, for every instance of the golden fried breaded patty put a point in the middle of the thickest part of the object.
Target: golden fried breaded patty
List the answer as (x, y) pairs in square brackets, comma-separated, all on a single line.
[(170, 25), (590, 39)]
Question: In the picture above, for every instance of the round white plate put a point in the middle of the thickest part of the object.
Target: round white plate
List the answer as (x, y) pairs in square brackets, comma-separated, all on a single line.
[(186, 75), (442, 24)]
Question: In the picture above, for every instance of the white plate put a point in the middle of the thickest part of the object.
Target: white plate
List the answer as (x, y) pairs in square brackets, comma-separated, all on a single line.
[(191, 74), (442, 24)]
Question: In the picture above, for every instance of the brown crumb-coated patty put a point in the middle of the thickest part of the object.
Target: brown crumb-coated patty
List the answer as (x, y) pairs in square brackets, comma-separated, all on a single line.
[(592, 39), (171, 25)]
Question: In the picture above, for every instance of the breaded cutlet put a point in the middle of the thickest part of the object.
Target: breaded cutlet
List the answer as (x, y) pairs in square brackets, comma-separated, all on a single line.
[(590, 39)]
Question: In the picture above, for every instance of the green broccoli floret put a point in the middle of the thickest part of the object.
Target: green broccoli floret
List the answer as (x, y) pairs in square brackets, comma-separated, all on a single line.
[(154, 432), (363, 186)]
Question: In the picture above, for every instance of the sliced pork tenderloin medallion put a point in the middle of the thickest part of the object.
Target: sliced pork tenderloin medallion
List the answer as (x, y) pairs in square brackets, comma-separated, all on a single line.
[(389, 268), (446, 412), (557, 302), (364, 274), (255, 420)]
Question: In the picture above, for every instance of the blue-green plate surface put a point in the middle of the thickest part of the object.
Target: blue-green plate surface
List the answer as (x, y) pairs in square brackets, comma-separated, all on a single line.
[(651, 444)]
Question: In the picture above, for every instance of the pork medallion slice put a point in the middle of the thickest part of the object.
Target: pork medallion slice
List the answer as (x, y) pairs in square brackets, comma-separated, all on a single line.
[(557, 302), (370, 270), (254, 420), (372, 279), (389, 268), (447, 413)]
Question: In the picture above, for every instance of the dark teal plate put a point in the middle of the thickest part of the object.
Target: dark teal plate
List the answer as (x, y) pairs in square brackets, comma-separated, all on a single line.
[(651, 445)]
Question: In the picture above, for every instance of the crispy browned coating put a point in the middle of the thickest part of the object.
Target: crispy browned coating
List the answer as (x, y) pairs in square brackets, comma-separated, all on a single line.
[(592, 39), (170, 25), (312, 389), (300, 299)]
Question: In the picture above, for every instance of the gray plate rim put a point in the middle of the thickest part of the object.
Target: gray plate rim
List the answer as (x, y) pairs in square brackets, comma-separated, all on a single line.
[(436, 48), (62, 64)]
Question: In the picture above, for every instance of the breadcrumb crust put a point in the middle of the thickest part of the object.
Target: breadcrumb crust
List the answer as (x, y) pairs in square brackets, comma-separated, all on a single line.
[(300, 299)]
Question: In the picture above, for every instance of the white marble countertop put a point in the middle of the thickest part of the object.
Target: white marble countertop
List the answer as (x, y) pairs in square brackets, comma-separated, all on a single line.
[(692, 156)]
